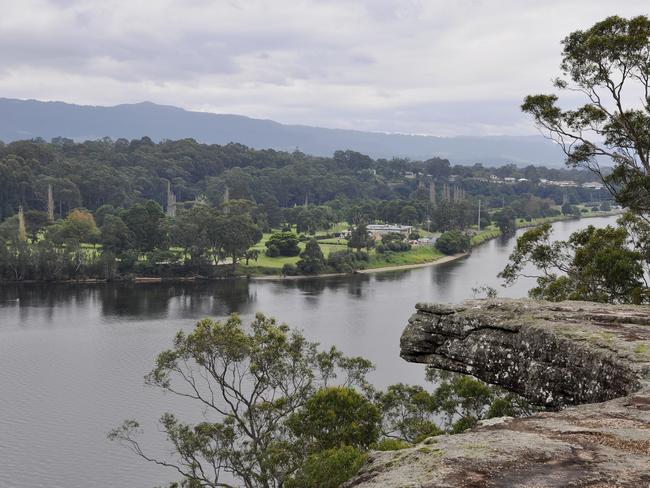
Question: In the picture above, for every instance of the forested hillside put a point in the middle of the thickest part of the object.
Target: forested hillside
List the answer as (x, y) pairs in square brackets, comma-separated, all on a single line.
[(121, 172)]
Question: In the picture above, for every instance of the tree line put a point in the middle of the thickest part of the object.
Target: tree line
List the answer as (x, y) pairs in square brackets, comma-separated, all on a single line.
[(121, 173)]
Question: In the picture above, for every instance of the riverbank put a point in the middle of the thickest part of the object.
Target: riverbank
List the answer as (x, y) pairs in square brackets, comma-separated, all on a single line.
[(492, 232), (418, 257), (442, 260)]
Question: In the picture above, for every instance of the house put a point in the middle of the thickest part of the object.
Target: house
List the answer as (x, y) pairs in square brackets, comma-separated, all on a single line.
[(378, 230), (594, 185)]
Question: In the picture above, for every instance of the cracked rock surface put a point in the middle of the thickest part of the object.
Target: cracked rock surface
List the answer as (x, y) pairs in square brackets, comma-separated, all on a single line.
[(589, 362)]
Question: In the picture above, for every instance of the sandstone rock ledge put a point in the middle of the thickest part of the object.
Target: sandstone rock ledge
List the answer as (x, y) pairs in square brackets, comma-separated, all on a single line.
[(590, 362)]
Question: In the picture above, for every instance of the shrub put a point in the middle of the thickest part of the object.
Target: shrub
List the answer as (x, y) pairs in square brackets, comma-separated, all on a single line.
[(453, 242), (391, 445), (337, 416), (289, 269), (285, 242), (311, 260), (329, 469), (347, 261), (272, 251)]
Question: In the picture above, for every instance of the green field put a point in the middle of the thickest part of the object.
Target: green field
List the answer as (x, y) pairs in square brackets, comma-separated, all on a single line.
[(272, 266), (417, 255), (485, 235)]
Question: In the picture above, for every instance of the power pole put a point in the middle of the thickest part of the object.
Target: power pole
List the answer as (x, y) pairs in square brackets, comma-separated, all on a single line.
[(479, 215)]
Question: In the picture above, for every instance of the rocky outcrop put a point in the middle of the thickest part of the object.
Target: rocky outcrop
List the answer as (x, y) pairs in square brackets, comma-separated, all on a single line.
[(589, 362)]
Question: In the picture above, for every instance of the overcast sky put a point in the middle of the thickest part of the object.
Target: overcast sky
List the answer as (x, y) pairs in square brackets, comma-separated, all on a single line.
[(413, 66)]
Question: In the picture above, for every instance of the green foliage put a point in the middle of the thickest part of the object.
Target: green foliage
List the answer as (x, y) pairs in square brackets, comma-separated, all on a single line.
[(79, 227), (335, 417), (262, 388), (391, 445), (568, 209), (272, 416), (463, 423), (288, 269), (115, 236), (329, 468), (463, 398), (594, 264), (506, 221), (143, 220), (393, 242), (282, 244), (607, 63), (453, 242), (311, 260), (236, 233), (253, 254), (310, 218), (347, 261), (408, 215), (409, 413), (360, 238)]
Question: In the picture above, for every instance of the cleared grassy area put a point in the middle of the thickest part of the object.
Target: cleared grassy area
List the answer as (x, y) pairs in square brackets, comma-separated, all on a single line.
[(486, 234), (417, 255), (522, 223)]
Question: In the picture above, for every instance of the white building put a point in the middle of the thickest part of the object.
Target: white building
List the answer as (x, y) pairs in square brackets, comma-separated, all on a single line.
[(378, 230), (594, 185)]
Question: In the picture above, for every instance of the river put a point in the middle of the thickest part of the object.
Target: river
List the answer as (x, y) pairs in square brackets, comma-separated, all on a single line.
[(73, 357)]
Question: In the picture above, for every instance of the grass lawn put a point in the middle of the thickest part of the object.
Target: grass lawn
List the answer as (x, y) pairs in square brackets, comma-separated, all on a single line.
[(522, 223), (266, 265), (417, 255), (486, 234)]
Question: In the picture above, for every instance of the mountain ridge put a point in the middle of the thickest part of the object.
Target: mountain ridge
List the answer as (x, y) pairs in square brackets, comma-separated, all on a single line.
[(26, 119)]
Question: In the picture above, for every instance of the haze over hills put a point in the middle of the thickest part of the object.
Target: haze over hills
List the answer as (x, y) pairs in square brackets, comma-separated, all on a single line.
[(26, 119)]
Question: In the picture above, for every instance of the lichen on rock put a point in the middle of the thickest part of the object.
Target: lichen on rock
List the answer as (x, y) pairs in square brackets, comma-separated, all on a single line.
[(587, 361)]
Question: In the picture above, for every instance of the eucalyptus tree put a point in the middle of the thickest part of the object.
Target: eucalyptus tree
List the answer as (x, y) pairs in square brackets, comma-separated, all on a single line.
[(608, 65), (258, 387)]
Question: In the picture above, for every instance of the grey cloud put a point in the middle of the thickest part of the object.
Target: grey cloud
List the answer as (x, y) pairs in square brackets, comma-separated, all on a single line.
[(420, 66)]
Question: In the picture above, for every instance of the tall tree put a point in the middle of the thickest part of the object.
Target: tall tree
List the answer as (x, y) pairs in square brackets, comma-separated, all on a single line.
[(609, 65), (253, 383), (144, 221), (311, 260), (360, 238), (236, 234)]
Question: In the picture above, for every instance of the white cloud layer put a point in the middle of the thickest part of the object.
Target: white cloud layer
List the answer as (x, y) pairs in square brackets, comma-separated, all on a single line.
[(416, 66)]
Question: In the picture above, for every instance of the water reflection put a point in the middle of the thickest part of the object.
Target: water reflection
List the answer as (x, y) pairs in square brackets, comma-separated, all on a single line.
[(178, 300), (312, 287), (72, 357)]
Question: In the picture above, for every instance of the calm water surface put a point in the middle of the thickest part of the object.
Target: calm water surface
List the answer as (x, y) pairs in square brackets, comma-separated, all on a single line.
[(73, 357)]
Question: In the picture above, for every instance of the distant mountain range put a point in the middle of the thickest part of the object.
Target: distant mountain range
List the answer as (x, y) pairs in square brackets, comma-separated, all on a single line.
[(26, 119)]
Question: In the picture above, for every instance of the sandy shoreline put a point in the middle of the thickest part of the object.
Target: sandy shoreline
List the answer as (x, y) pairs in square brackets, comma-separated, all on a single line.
[(444, 259)]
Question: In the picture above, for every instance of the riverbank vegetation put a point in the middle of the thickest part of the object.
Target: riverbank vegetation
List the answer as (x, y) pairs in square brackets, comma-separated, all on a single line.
[(284, 412), (606, 63), (109, 210)]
